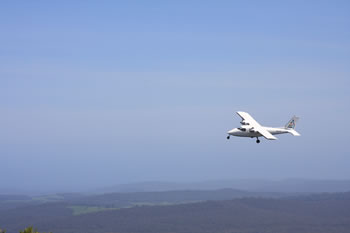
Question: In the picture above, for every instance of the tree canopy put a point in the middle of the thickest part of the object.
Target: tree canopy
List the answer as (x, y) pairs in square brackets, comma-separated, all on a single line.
[(28, 230)]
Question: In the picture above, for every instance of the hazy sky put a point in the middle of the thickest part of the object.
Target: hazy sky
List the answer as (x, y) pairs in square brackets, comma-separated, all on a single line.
[(94, 93)]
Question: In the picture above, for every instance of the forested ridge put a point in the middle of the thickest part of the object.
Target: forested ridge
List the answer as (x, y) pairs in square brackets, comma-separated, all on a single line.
[(312, 213)]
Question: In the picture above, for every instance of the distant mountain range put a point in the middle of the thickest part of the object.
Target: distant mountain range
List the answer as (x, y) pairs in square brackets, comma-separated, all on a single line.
[(281, 186), (251, 185)]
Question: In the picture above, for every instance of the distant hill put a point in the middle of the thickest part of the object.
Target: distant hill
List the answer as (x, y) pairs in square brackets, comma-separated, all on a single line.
[(168, 197), (287, 186), (8, 201), (252, 185), (306, 214), (8, 197), (122, 200)]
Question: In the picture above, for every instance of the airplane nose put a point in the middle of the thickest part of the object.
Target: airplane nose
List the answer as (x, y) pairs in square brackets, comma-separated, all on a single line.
[(232, 131)]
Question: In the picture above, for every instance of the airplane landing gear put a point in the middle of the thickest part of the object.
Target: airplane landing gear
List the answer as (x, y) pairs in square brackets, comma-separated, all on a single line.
[(228, 137), (257, 140)]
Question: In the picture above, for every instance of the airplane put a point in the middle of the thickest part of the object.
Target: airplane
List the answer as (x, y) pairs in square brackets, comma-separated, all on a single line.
[(251, 128)]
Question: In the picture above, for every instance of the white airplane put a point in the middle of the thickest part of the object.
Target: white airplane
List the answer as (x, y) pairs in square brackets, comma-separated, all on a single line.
[(251, 128)]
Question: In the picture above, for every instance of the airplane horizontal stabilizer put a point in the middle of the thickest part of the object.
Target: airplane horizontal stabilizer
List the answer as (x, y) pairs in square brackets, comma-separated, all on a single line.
[(293, 132)]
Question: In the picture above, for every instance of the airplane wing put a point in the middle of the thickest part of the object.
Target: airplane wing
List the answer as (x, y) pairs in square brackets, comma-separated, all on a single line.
[(266, 134), (248, 119)]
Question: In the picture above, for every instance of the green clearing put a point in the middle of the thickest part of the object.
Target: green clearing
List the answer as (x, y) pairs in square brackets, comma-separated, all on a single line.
[(80, 209)]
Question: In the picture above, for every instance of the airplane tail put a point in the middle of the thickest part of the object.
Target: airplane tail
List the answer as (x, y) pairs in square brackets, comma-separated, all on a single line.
[(291, 125)]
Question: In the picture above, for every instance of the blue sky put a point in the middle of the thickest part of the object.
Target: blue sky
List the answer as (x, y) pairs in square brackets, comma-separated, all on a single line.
[(99, 93)]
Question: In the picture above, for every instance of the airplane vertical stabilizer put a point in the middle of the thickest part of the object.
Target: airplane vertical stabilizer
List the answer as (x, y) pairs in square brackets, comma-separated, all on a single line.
[(291, 123)]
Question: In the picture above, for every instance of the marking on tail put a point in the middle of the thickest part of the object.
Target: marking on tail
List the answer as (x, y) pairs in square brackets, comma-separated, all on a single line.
[(291, 123)]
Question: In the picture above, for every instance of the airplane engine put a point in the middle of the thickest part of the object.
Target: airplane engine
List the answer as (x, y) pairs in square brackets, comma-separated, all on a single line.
[(244, 123)]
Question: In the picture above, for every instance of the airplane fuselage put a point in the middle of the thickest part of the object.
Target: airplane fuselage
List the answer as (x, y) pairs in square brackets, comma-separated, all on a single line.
[(249, 132)]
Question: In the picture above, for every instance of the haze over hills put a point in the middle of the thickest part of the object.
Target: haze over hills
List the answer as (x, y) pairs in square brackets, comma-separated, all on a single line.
[(254, 185), (298, 206), (129, 199), (307, 213)]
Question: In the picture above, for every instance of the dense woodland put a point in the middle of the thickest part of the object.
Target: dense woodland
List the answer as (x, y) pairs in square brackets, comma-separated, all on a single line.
[(310, 213)]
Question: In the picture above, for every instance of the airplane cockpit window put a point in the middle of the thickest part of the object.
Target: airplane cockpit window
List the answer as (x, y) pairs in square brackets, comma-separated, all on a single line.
[(242, 129)]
